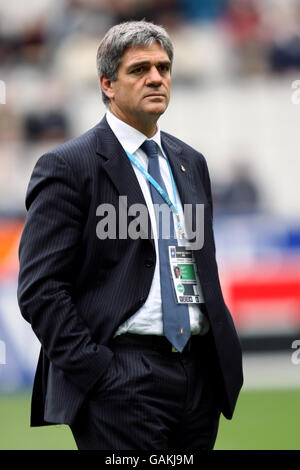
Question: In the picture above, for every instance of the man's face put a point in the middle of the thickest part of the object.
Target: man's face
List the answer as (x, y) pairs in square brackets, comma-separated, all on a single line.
[(142, 89)]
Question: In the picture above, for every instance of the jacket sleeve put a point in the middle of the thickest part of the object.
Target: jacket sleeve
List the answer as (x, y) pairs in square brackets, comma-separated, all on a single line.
[(48, 252)]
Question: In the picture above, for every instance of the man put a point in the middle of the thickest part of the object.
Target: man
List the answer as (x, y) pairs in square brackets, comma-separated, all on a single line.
[(177, 272), (123, 360)]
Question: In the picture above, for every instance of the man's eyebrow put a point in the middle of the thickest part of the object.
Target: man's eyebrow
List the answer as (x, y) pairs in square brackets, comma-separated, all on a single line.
[(148, 62)]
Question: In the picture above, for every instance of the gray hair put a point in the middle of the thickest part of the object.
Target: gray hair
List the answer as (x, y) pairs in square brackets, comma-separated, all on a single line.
[(123, 36)]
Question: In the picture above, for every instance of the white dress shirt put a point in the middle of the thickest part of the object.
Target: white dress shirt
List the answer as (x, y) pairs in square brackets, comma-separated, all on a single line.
[(148, 319)]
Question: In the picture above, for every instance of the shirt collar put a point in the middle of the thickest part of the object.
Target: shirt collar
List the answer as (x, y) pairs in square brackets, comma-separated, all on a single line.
[(130, 138)]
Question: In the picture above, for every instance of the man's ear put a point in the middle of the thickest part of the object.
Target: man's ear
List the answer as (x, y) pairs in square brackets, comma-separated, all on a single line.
[(106, 85)]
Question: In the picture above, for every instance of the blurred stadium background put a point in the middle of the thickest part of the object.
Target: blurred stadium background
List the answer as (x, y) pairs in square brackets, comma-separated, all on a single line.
[(235, 99)]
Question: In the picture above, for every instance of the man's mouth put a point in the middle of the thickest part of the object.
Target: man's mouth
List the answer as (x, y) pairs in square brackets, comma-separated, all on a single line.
[(157, 95)]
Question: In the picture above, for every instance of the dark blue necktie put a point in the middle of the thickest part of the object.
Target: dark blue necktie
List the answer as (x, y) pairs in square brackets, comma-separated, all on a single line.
[(176, 320)]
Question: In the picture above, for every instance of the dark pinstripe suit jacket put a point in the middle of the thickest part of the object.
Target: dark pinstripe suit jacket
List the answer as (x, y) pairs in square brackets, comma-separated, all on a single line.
[(76, 289)]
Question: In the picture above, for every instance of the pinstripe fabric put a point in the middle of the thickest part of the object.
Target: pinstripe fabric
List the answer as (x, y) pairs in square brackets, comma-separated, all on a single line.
[(151, 400), (76, 290)]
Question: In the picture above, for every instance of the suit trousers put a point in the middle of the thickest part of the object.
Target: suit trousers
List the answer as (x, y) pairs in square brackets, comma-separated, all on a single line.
[(151, 398)]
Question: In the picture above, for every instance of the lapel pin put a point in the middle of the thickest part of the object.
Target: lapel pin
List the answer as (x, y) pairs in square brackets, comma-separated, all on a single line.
[(182, 168)]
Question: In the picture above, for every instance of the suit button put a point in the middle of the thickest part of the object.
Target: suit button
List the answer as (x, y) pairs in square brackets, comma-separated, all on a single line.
[(149, 263)]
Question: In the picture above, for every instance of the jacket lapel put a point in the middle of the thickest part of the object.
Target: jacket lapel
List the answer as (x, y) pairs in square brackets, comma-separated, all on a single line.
[(185, 172), (117, 164), (118, 167), (182, 169)]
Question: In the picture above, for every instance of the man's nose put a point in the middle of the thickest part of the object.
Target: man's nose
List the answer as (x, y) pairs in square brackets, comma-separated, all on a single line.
[(154, 77)]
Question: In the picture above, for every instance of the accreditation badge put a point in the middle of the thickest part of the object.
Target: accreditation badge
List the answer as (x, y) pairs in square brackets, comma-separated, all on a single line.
[(185, 276)]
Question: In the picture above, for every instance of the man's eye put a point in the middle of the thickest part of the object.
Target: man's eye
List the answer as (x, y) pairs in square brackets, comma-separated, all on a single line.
[(164, 68), (138, 70)]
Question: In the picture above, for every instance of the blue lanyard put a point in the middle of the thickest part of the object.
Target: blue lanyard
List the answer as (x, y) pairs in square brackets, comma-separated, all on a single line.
[(161, 191)]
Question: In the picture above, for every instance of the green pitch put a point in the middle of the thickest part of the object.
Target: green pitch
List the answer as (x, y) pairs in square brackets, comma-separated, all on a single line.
[(266, 420)]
